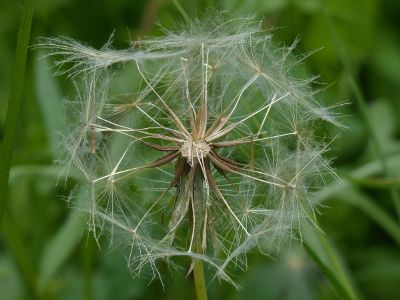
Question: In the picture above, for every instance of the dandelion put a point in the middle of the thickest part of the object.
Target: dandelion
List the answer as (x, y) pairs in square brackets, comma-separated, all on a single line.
[(200, 143)]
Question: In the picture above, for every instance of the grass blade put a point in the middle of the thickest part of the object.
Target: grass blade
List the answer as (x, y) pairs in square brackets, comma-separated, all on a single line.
[(321, 251), (14, 102), (345, 192), (374, 211)]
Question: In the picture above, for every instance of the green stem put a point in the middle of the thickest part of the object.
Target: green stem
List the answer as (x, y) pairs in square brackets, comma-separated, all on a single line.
[(361, 103), (199, 208), (198, 273), (14, 102), (378, 183)]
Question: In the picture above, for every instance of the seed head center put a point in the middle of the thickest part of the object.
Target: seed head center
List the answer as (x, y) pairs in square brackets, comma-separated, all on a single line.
[(194, 150)]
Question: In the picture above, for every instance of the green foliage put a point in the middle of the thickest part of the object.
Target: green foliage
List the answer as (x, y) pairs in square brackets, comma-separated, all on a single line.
[(50, 102)]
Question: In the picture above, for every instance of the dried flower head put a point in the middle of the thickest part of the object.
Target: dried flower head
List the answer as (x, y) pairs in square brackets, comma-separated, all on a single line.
[(199, 143)]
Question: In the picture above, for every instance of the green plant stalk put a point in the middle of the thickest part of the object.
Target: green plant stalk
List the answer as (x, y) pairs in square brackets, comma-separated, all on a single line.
[(361, 103), (376, 182), (14, 102), (199, 204), (198, 274)]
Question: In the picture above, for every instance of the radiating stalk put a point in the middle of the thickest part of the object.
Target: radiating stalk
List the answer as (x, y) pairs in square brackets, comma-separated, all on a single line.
[(14, 102)]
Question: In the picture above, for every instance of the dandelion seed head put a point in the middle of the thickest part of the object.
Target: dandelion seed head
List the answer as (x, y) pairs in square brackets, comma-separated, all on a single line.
[(209, 153)]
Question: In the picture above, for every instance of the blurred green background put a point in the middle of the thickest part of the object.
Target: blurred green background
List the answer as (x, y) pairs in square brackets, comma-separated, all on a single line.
[(45, 252)]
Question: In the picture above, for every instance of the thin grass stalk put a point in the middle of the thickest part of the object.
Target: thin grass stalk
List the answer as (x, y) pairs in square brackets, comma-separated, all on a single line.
[(14, 102)]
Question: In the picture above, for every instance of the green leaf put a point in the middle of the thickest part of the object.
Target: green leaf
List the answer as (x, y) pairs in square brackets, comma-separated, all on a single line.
[(62, 245), (50, 101), (11, 285), (329, 262), (375, 212), (17, 249), (345, 192)]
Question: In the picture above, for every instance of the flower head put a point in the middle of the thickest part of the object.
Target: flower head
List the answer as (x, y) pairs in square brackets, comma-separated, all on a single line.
[(199, 143)]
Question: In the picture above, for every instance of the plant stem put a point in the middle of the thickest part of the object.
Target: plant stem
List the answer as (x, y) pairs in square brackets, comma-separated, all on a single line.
[(198, 273), (199, 207), (14, 101)]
